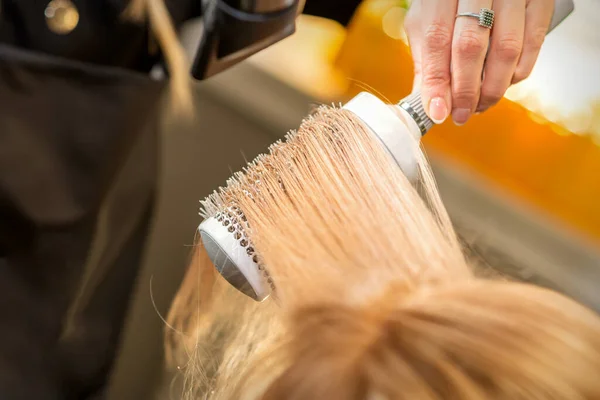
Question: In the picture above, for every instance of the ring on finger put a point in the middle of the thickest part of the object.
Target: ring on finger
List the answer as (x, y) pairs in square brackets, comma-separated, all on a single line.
[(485, 17)]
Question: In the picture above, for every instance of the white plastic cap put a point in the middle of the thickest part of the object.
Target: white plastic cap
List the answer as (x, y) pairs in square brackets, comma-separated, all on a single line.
[(232, 259), (399, 136)]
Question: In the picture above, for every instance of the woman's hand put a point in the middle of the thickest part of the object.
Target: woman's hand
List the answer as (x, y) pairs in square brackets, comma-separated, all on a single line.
[(449, 52)]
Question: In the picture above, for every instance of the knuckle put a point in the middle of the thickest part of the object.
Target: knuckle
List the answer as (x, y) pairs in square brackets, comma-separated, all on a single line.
[(438, 37), (434, 75), (470, 44), (465, 95), (535, 38), (491, 95), (509, 47)]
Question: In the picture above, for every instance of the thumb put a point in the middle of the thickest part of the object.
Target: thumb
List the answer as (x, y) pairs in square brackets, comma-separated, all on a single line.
[(413, 29), (415, 49), (417, 82)]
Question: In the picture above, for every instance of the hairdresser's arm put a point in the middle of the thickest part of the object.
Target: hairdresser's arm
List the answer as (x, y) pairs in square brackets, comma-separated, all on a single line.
[(439, 39)]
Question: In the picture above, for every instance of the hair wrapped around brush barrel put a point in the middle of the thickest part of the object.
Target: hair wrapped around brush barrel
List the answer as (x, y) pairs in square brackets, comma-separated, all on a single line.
[(373, 297)]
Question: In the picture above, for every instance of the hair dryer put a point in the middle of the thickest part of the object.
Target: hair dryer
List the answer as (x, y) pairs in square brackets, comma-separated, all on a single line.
[(234, 30)]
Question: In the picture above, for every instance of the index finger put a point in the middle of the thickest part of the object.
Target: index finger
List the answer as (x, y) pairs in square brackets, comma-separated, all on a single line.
[(438, 27)]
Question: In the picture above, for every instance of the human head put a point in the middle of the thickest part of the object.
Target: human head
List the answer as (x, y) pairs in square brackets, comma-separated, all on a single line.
[(374, 298)]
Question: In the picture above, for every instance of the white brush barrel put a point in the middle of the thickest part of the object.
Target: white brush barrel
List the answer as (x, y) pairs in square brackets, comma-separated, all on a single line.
[(400, 136)]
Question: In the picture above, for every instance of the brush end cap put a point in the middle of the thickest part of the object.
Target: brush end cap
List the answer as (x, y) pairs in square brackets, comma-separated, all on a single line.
[(231, 259), (396, 136)]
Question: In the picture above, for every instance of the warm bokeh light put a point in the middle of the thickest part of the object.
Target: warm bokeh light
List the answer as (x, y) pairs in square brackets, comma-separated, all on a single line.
[(392, 23), (564, 86)]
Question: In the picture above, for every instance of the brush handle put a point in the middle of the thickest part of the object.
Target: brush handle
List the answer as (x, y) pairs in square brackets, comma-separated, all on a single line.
[(413, 104), (562, 9)]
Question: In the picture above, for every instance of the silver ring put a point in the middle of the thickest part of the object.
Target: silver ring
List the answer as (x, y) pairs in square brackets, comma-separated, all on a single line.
[(485, 17)]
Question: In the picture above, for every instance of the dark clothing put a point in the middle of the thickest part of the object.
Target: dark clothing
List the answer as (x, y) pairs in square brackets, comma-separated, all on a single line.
[(78, 176), (337, 10), (78, 171)]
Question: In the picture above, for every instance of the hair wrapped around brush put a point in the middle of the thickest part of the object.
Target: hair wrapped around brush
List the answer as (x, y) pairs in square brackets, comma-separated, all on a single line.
[(373, 297)]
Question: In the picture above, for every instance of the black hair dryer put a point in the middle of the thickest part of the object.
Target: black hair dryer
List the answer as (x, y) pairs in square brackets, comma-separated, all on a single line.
[(233, 30)]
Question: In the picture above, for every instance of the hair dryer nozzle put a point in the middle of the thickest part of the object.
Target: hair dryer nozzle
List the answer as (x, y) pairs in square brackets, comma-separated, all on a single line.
[(233, 32)]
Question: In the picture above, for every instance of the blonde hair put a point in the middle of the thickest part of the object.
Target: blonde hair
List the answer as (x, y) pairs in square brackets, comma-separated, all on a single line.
[(374, 299), (163, 30)]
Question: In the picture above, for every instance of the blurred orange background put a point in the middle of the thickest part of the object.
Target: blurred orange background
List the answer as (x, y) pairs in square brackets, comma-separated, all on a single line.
[(534, 159)]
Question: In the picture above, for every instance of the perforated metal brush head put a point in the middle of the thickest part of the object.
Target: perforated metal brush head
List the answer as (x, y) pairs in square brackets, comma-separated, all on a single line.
[(228, 246)]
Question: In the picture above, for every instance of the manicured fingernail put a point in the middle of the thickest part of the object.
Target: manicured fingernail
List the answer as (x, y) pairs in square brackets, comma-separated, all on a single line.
[(461, 116), (438, 110)]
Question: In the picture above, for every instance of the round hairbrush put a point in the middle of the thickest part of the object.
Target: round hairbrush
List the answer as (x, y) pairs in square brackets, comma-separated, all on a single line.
[(398, 128)]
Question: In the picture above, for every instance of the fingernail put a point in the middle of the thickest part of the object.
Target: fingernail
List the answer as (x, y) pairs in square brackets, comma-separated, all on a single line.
[(438, 111), (461, 116)]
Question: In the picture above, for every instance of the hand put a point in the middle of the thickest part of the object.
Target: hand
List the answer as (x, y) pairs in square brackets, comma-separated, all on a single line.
[(449, 53)]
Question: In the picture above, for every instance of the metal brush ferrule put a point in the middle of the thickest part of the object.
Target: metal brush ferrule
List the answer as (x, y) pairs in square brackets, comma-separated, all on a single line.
[(413, 105)]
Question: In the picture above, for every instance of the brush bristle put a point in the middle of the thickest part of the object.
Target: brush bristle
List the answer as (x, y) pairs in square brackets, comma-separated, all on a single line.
[(220, 198), (222, 204)]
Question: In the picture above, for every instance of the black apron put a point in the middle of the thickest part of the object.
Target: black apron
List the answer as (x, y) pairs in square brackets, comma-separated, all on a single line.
[(78, 174)]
